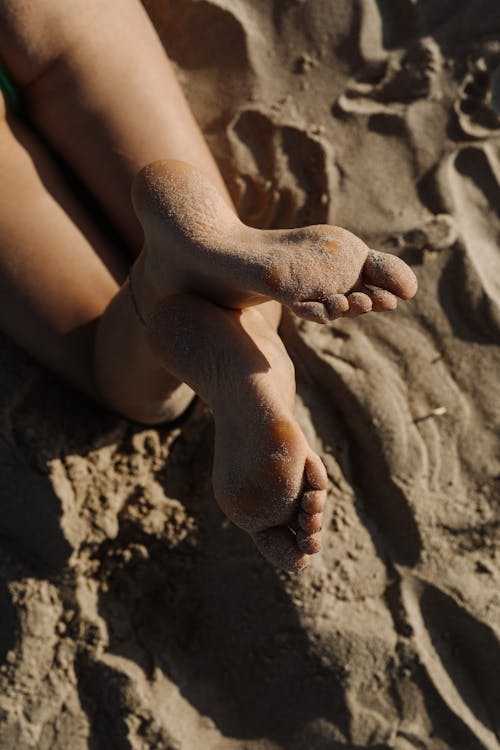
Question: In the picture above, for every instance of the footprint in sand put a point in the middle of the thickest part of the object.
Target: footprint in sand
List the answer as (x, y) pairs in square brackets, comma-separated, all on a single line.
[(437, 234), (288, 182), (460, 655), (478, 104), (471, 184), (389, 87)]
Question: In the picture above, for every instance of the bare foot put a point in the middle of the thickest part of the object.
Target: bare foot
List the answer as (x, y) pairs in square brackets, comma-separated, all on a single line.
[(266, 478), (196, 244)]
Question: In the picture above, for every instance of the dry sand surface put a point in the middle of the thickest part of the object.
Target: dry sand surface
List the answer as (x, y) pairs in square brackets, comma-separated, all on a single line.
[(132, 614)]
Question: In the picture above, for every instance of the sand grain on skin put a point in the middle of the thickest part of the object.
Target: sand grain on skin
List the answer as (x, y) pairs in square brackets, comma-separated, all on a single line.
[(131, 613)]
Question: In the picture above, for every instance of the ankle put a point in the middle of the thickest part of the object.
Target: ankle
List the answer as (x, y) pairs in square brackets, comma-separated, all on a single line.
[(175, 196)]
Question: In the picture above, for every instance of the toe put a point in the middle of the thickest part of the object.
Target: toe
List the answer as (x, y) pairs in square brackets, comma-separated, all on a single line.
[(359, 303), (383, 300), (308, 543), (391, 273), (310, 523), (316, 312), (323, 310), (337, 306), (279, 546), (315, 473), (313, 501)]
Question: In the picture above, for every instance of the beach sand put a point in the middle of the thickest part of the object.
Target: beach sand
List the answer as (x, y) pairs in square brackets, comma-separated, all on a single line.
[(132, 614)]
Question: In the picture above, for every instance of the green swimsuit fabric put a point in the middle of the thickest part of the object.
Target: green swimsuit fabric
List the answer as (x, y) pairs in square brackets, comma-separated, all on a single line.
[(9, 90)]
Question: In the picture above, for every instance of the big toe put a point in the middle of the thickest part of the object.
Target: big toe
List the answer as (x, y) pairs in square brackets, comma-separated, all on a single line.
[(315, 473), (279, 546), (391, 273)]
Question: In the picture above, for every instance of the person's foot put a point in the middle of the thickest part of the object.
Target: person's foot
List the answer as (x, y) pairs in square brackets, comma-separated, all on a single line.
[(266, 478), (195, 243)]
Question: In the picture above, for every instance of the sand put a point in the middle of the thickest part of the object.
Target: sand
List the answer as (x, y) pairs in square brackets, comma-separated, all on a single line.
[(132, 614)]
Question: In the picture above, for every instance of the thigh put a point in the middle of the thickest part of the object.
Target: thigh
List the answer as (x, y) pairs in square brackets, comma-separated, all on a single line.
[(58, 269), (100, 89)]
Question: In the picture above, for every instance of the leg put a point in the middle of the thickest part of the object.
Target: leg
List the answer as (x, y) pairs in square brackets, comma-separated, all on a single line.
[(61, 291), (55, 300), (73, 73), (100, 89), (55, 56), (59, 273), (61, 63)]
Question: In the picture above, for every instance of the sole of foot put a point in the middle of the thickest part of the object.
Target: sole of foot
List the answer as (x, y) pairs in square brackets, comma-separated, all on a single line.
[(266, 478), (194, 243)]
